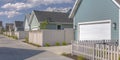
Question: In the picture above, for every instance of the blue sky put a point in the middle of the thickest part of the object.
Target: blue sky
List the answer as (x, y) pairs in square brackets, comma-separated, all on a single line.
[(11, 10)]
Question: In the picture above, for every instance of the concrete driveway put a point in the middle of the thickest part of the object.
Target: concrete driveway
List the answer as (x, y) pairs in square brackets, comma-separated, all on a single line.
[(17, 50)]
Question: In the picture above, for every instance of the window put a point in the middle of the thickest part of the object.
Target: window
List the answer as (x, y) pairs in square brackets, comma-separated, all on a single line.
[(58, 27)]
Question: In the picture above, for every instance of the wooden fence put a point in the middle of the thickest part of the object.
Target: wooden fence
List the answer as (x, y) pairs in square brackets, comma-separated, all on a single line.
[(96, 50)]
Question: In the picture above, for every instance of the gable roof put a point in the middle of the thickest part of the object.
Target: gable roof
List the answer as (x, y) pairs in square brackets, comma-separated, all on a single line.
[(27, 17), (52, 17), (19, 23), (78, 2), (75, 7), (1, 24), (117, 2), (9, 25)]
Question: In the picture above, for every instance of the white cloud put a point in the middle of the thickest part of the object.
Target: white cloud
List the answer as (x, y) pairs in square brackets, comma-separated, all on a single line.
[(32, 3), (48, 2), (10, 14), (58, 9), (17, 6)]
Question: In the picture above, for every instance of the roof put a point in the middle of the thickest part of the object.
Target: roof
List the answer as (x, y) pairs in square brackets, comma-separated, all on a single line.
[(118, 1), (75, 7), (27, 17), (9, 24), (19, 23), (52, 17), (0, 23), (78, 2)]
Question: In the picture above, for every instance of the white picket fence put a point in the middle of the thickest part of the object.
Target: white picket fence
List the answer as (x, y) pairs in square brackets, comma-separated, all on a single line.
[(96, 50)]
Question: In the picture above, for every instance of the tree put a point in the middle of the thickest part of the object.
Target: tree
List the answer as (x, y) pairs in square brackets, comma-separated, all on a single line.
[(44, 24)]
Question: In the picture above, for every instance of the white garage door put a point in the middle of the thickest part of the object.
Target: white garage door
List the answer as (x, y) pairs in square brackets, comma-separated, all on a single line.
[(95, 31)]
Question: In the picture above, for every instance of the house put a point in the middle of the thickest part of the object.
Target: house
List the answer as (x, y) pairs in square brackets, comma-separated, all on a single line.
[(1, 26), (9, 27), (96, 20), (18, 26), (26, 22), (45, 25), (53, 20)]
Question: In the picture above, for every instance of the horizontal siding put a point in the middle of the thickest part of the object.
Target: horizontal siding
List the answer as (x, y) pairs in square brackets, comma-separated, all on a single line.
[(95, 10)]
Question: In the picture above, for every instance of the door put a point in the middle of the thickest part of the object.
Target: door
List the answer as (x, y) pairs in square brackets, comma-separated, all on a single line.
[(95, 31)]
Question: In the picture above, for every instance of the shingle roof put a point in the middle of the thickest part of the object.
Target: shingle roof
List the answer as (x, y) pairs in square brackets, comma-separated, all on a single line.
[(9, 25), (52, 16), (0, 23), (118, 1), (19, 23), (74, 9)]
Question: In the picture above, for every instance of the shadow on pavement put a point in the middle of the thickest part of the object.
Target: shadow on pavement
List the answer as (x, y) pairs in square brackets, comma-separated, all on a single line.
[(1, 37), (17, 54)]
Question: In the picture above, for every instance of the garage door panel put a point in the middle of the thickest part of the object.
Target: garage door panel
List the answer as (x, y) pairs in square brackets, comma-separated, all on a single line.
[(100, 31)]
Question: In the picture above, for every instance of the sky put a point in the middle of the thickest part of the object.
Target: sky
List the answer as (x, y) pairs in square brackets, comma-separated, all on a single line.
[(15, 10)]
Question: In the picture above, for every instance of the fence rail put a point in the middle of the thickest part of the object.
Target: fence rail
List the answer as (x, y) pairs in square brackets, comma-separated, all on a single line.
[(96, 50)]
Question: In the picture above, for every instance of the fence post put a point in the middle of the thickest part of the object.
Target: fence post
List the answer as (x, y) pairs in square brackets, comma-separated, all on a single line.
[(72, 48), (108, 52), (117, 52), (94, 47)]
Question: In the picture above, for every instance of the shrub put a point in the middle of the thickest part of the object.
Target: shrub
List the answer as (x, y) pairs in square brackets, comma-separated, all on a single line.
[(64, 43), (9, 36), (57, 44), (47, 44), (15, 37), (26, 39), (80, 58), (64, 54)]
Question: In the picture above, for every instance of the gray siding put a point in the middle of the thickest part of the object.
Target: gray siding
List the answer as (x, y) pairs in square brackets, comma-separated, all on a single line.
[(67, 25), (51, 26), (54, 26)]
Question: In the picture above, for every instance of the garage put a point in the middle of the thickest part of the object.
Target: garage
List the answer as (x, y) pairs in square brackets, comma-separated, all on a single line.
[(97, 30)]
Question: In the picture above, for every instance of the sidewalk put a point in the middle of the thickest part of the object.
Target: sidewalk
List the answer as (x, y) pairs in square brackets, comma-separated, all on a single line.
[(17, 50)]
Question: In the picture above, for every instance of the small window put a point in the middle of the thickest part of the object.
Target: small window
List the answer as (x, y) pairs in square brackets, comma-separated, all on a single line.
[(58, 27)]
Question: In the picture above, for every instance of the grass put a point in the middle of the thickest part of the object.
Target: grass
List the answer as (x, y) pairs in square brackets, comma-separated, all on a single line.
[(75, 57), (26, 39), (47, 44), (64, 43), (14, 37), (57, 44)]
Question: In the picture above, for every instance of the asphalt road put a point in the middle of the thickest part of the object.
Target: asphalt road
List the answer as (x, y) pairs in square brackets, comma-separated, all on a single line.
[(17, 50)]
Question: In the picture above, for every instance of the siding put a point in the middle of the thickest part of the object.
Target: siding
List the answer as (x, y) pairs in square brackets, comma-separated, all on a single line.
[(34, 24), (51, 26), (67, 25), (26, 27), (54, 26), (95, 10)]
